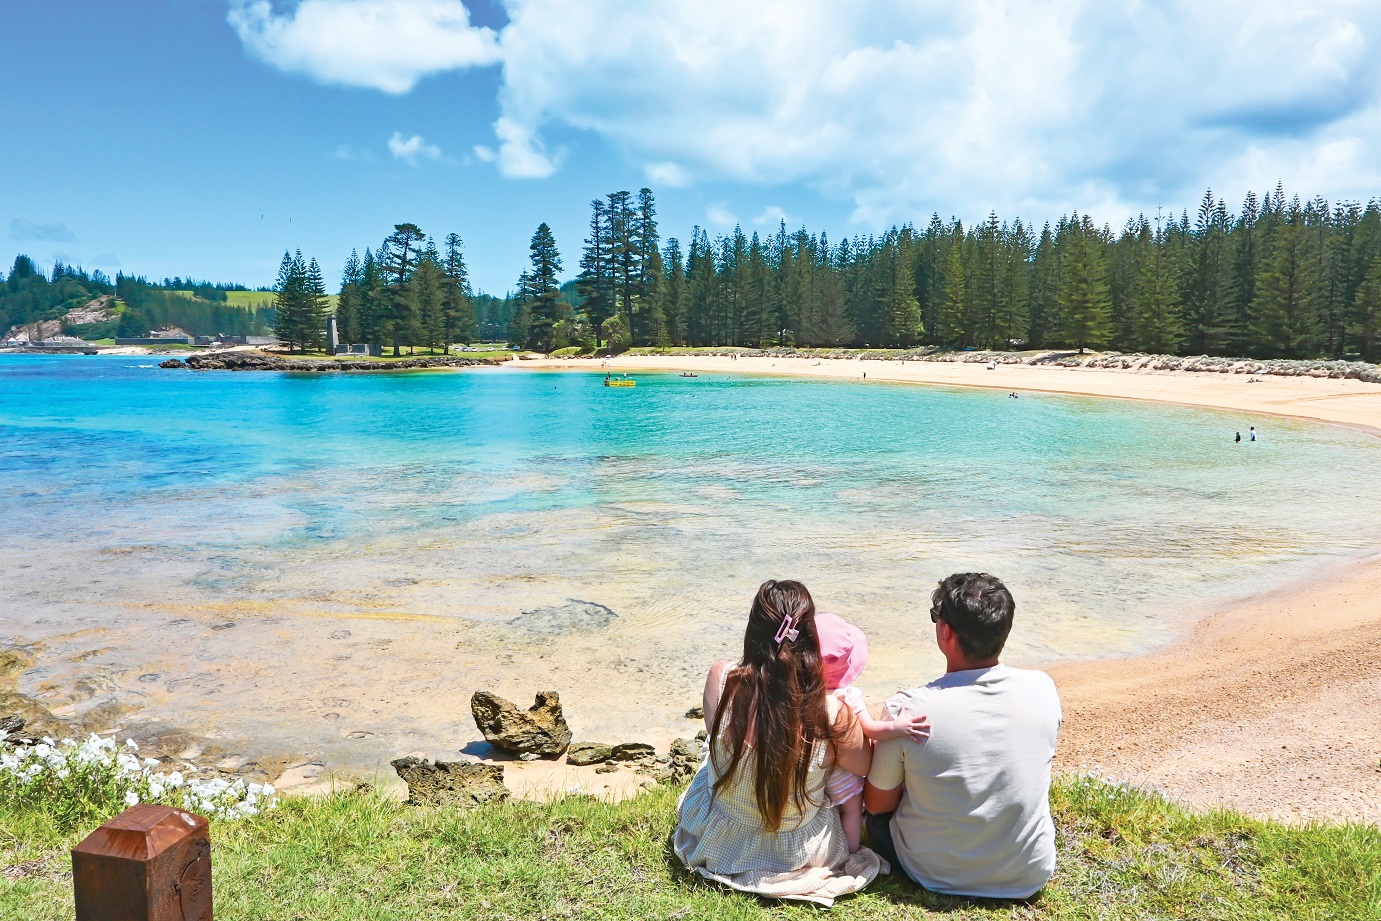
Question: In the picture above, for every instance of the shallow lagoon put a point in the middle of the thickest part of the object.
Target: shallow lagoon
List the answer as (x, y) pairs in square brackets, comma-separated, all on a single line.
[(373, 541)]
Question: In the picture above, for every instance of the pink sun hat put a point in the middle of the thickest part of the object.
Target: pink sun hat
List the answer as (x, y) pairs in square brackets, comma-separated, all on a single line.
[(843, 650)]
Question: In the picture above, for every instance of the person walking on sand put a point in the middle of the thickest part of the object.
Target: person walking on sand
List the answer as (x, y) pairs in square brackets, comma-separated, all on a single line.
[(967, 811), (754, 817)]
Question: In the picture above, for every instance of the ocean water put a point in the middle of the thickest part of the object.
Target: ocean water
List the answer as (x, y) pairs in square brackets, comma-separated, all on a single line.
[(505, 526)]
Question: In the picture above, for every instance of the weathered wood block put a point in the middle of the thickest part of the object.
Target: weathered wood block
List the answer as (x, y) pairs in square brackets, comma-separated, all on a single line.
[(149, 863)]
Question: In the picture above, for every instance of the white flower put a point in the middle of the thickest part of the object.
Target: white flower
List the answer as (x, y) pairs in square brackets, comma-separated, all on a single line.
[(131, 798)]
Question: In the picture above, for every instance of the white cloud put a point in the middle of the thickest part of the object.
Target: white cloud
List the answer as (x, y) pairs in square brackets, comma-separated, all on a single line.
[(413, 149), (667, 174), (720, 216), (772, 215), (22, 229), (385, 45), (903, 106)]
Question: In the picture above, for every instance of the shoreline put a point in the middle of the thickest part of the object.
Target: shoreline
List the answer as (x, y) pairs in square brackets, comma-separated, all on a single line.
[(1340, 401), (1270, 704)]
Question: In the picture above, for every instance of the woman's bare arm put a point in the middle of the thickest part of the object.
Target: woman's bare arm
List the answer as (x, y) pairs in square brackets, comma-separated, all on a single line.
[(713, 683), (852, 751)]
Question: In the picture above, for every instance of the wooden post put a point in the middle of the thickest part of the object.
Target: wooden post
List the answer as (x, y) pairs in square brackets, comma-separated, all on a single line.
[(149, 863)]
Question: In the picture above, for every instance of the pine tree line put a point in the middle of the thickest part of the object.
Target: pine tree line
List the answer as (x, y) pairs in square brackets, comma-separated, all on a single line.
[(300, 302), (408, 292), (1279, 279)]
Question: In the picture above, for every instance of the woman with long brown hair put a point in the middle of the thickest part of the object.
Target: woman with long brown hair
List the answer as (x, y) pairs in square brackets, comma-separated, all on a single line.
[(755, 817)]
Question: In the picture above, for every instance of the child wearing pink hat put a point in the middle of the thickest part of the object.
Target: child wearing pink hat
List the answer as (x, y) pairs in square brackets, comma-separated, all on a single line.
[(843, 655)]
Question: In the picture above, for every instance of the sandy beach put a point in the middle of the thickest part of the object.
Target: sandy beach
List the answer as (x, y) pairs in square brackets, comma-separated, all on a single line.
[(1271, 706)]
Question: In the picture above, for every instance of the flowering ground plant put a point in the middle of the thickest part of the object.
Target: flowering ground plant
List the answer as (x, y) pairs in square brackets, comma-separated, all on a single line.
[(78, 782)]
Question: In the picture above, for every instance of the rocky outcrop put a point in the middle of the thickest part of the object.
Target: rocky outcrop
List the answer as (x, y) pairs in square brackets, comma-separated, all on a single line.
[(581, 754), (173, 363), (632, 751), (683, 761), (538, 732), (450, 783), (259, 361)]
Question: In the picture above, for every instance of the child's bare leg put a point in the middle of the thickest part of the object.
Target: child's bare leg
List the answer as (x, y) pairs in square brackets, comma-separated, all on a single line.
[(851, 814)]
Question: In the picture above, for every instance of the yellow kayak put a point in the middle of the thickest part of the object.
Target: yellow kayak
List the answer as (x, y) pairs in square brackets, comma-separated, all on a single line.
[(620, 383)]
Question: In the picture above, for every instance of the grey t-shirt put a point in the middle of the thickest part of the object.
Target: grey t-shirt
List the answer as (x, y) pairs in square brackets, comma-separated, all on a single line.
[(974, 817)]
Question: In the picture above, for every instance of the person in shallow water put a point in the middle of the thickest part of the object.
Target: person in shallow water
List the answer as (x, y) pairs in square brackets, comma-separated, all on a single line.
[(967, 810), (1238, 439), (755, 817)]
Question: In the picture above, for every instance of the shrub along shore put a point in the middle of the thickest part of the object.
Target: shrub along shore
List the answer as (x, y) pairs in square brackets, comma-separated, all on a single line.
[(361, 855)]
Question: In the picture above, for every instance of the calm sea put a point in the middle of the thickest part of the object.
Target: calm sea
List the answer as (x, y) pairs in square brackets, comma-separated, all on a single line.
[(474, 497)]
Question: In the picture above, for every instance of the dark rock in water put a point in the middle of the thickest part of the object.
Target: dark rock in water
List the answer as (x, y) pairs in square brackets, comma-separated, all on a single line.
[(632, 751), (340, 634), (583, 753), (173, 363), (695, 713), (450, 783), (575, 616), (540, 731), (259, 361)]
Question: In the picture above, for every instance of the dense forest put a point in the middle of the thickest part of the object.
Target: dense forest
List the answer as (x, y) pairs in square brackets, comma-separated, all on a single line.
[(407, 292), (29, 295), (1278, 279)]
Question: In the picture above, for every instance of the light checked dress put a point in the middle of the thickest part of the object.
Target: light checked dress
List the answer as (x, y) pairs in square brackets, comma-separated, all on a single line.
[(721, 837)]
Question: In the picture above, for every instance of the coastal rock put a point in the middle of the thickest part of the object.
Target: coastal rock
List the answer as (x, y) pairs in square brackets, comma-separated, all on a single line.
[(450, 783), (695, 713), (683, 761), (539, 731), (173, 363), (632, 751), (12, 732), (583, 753), (259, 361)]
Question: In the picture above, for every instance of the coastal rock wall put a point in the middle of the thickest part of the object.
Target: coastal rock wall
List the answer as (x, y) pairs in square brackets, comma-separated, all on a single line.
[(259, 361)]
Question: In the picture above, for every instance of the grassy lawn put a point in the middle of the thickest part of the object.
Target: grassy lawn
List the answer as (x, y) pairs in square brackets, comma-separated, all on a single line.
[(1123, 855)]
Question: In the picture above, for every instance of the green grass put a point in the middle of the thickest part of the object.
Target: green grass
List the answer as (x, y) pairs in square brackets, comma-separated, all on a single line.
[(348, 857), (256, 298)]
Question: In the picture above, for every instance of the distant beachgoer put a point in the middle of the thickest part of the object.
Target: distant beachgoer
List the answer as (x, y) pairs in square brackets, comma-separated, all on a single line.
[(844, 655), (1238, 439), (992, 366), (865, 375), (1251, 433), (753, 817)]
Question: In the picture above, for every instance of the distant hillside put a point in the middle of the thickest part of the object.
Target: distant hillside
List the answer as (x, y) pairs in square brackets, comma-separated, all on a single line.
[(96, 319), (93, 306)]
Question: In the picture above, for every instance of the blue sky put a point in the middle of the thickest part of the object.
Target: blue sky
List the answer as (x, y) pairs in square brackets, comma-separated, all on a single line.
[(203, 137)]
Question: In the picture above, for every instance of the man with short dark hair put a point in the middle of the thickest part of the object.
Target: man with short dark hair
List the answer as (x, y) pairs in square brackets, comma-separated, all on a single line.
[(967, 811)]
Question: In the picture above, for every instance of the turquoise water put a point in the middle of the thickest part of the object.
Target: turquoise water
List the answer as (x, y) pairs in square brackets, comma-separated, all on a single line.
[(471, 497)]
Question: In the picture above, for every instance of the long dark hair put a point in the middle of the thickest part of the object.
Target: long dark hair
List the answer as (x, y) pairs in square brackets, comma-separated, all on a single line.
[(776, 693)]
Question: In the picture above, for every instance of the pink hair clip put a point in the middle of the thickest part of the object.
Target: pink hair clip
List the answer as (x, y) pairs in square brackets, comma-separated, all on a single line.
[(787, 630)]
